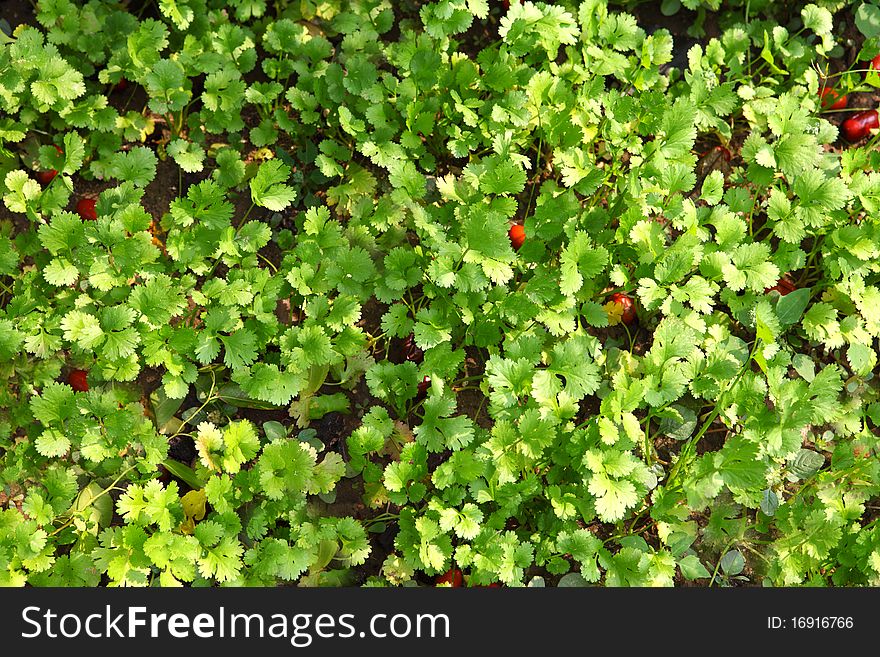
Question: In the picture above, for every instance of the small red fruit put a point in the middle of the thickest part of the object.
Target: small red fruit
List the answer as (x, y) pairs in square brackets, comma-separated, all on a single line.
[(78, 380), (517, 234), (45, 177), (85, 207), (784, 286), (875, 63), (725, 152), (121, 85), (860, 125), (831, 99), (628, 315), (452, 577), (721, 150)]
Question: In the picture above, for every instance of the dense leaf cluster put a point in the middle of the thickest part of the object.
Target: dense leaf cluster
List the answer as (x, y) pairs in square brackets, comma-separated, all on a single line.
[(344, 178)]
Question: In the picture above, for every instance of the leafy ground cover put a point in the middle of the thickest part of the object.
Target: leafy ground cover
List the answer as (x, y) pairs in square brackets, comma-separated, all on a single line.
[(457, 293)]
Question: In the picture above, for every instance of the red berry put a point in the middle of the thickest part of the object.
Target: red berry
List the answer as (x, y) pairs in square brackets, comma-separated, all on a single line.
[(517, 234), (85, 207), (721, 150), (45, 177), (121, 85), (875, 63), (628, 315), (784, 286), (452, 577), (78, 380), (831, 99), (860, 125)]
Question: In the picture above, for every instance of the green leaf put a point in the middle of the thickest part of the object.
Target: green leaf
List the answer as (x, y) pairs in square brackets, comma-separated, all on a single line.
[(189, 156), (713, 187), (819, 19), (183, 472), (502, 176), (232, 394), (868, 20), (178, 12), (529, 25), (670, 8), (692, 568), (74, 153), (790, 307), (679, 422), (572, 580), (580, 262), (732, 563), (83, 329), (268, 189), (137, 166), (805, 463), (52, 442), (21, 191), (60, 272), (769, 502)]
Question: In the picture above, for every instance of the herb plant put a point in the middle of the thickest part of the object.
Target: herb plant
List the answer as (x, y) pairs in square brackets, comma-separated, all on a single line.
[(448, 293)]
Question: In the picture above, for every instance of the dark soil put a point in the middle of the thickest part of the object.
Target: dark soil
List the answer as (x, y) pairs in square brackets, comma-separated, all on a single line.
[(473, 403), (18, 12), (182, 448), (713, 439), (164, 189)]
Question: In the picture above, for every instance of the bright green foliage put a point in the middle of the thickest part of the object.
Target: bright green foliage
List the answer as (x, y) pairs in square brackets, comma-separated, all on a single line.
[(300, 292)]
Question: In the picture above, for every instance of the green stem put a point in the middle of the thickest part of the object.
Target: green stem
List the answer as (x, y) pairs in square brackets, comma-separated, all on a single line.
[(718, 564), (690, 447), (106, 491), (268, 262)]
